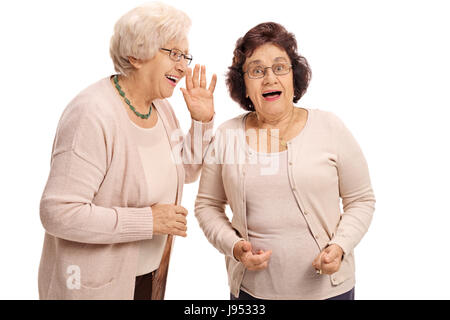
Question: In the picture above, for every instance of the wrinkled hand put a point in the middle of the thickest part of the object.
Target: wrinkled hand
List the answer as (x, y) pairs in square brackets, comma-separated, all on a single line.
[(329, 260), (252, 261), (199, 100), (169, 219)]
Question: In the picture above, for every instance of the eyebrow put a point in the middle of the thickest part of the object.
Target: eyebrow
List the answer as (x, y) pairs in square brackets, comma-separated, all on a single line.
[(185, 52), (259, 61)]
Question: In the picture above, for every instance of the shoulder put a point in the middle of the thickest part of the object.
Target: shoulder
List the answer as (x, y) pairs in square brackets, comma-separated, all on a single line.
[(91, 113), (98, 98), (326, 120), (331, 125), (97, 101), (234, 123)]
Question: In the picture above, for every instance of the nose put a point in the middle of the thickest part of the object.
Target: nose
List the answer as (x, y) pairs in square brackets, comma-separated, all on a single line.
[(270, 77), (181, 66)]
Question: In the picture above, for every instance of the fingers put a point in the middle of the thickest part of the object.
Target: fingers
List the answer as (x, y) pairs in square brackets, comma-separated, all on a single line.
[(329, 257), (181, 218), (203, 77), (181, 210), (189, 84), (330, 268), (180, 226), (195, 81), (178, 232), (317, 263), (246, 246), (169, 219), (212, 85), (258, 267), (328, 261), (257, 261), (198, 79)]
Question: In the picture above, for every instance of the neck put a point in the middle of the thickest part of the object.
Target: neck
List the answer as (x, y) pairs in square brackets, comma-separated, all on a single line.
[(137, 92), (274, 121)]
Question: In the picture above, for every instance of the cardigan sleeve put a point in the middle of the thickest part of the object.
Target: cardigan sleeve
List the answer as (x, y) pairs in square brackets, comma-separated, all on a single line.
[(189, 149), (78, 166), (355, 190), (194, 148), (210, 209)]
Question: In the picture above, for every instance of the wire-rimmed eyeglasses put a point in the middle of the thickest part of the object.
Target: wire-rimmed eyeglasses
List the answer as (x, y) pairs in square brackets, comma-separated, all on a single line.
[(259, 71), (176, 55)]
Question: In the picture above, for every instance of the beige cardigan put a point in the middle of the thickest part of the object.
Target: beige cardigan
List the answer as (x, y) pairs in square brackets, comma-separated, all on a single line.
[(325, 163), (95, 206)]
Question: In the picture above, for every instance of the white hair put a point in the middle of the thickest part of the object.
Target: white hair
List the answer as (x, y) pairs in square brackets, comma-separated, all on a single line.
[(142, 31)]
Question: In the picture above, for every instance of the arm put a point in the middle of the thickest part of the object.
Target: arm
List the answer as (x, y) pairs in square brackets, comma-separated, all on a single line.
[(67, 211), (194, 147), (355, 190), (200, 103), (78, 167), (210, 210)]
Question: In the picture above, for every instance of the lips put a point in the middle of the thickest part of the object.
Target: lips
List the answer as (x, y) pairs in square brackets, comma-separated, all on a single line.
[(271, 95), (172, 79)]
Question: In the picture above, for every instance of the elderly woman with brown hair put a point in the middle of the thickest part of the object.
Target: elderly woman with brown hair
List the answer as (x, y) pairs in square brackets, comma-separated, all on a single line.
[(283, 170), (112, 201)]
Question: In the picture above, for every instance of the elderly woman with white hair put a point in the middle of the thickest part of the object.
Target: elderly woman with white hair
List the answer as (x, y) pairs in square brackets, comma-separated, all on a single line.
[(111, 205)]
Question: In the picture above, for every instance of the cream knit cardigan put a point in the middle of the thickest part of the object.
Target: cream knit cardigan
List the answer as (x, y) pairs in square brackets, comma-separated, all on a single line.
[(95, 206), (325, 165)]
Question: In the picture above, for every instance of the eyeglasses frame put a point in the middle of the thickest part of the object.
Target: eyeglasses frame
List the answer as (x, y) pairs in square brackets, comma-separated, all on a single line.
[(187, 57), (290, 66)]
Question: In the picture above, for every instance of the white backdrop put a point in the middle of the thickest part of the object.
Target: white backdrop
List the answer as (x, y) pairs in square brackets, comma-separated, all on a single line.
[(381, 66)]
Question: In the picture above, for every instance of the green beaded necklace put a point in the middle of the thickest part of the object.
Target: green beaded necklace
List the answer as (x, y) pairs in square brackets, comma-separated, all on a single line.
[(140, 115)]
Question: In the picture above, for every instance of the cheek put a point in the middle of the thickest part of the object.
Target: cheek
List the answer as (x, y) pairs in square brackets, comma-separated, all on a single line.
[(289, 86), (251, 89)]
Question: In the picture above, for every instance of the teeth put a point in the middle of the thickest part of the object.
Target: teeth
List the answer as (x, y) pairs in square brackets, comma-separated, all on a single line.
[(265, 94), (172, 78)]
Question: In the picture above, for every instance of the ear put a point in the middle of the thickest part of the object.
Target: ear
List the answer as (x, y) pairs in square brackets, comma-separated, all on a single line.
[(136, 63)]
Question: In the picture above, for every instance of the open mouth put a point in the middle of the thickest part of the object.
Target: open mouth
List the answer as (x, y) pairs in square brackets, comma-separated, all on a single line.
[(271, 95), (172, 79)]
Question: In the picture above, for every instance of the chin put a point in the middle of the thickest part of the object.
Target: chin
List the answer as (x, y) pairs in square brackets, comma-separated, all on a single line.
[(274, 108), (167, 94)]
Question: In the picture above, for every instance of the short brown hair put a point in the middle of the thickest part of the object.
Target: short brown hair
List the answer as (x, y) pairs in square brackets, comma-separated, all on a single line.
[(268, 32)]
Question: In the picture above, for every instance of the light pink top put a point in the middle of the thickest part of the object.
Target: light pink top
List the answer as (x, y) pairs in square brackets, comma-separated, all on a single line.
[(276, 223), (95, 207), (161, 176), (325, 166)]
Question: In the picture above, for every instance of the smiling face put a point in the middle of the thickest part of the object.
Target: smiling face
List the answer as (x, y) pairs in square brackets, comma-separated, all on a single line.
[(271, 95), (160, 75)]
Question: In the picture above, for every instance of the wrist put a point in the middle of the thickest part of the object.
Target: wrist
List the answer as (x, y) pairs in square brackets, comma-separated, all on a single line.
[(203, 119)]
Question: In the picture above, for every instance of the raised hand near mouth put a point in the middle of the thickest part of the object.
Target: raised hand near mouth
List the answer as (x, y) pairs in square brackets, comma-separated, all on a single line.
[(199, 100)]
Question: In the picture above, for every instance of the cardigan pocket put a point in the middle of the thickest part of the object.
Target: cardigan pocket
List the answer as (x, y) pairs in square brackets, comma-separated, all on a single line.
[(101, 292), (97, 287)]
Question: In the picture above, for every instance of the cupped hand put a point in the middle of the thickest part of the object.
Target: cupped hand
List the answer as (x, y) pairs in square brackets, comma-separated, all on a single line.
[(329, 260), (169, 219), (251, 260), (199, 100)]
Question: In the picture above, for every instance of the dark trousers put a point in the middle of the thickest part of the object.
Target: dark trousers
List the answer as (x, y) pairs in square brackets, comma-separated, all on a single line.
[(349, 295), (143, 287)]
